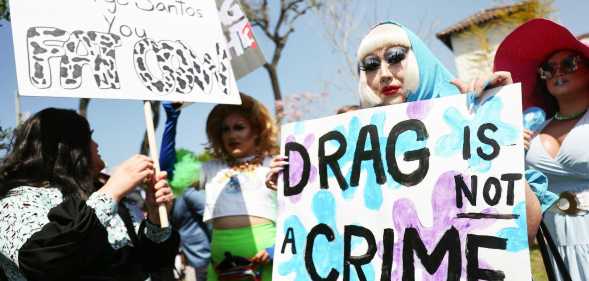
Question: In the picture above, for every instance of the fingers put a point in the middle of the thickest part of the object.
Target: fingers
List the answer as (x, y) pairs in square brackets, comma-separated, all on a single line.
[(462, 87), (501, 78), (279, 161), (162, 175), (479, 85), (162, 192), (276, 166), (482, 83), (528, 136), (177, 104), (261, 258), (272, 177)]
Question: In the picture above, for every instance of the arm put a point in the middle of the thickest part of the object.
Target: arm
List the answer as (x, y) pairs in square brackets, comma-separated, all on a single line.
[(533, 213), (157, 255), (168, 146)]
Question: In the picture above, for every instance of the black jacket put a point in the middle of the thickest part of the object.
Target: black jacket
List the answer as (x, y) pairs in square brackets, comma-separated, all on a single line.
[(74, 246)]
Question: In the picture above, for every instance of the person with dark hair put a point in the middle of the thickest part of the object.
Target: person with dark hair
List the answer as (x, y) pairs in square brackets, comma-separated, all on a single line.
[(59, 223), (553, 67)]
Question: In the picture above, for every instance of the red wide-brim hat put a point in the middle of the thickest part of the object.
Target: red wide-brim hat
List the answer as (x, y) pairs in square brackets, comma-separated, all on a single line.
[(528, 46)]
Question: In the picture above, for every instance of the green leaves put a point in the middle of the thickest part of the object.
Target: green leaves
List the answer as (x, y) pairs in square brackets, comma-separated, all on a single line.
[(4, 11)]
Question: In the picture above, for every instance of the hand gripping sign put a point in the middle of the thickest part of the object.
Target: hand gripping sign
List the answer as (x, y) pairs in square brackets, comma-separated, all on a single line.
[(123, 49), (417, 191)]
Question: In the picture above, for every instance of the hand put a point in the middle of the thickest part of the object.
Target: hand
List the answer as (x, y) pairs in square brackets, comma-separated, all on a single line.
[(480, 84), (127, 176), (177, 105), (158, 192), (172, 108), (528, 136), (262, 257), (276, 167)]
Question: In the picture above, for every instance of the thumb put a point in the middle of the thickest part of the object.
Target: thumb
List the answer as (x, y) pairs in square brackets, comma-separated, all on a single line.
[(462, 87)]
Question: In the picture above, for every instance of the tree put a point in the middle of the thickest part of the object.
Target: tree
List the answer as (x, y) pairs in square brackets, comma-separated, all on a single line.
[(83, 107), (155, 108), (5, 139), (4, 11), (278, 31), (303, 106)]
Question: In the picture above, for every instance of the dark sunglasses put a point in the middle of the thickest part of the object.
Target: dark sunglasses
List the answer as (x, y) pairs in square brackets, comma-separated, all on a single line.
[(568, 65), (392, 55)]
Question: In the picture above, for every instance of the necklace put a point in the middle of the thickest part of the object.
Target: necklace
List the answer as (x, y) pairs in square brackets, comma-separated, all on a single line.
[(244, 166), (560, 117)]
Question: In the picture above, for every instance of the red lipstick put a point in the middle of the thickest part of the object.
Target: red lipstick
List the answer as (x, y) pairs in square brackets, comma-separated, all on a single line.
[(390, 90)]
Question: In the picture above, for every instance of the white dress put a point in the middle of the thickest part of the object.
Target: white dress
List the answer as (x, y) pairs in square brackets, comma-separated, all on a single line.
[(567, 171)]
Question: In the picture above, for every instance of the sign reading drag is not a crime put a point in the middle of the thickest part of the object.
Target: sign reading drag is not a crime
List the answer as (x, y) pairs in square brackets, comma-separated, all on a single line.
[(417, 191), (122, 49)]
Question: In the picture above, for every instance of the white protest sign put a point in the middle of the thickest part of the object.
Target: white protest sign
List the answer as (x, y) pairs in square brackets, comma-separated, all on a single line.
[(417, 191), (246, 55), (122, 49)]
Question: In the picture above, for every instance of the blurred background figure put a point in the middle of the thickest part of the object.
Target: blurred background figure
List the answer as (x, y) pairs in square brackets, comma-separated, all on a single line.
[(184, 170)]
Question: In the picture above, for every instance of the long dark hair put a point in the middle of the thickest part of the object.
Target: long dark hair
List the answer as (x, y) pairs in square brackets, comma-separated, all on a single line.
[(50, 149)]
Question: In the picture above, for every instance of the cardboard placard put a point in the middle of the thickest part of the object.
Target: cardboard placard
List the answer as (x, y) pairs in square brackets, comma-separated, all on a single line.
[(417, 191), (122, 49)]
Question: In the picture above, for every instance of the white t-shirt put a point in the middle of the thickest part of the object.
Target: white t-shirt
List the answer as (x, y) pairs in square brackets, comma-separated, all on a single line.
[(230, 193)]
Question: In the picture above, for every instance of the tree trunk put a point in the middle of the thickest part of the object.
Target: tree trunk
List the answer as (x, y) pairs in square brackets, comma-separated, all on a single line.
[(83, 107), (273, 74), (155, 108)]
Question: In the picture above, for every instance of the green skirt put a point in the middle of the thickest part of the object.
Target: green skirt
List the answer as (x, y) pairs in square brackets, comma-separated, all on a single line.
[(245, 242)]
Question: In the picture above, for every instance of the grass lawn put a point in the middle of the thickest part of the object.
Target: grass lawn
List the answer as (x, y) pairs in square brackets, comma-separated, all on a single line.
[(538, 270)]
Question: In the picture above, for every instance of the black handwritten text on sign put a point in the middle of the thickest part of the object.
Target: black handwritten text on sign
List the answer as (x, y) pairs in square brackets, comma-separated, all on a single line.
[(180, 69)]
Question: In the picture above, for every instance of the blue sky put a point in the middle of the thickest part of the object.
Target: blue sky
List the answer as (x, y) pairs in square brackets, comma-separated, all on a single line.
[(308, 62)]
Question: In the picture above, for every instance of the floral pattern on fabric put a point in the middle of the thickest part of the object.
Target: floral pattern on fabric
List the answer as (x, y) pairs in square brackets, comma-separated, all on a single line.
[(105, 209), (155, 233), (24, 210)]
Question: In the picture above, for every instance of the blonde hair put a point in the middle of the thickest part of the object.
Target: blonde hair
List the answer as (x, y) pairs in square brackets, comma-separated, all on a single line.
[(380, 36), (259, 118)]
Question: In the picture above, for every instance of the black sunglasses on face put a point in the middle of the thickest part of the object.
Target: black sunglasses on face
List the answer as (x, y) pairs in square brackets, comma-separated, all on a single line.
[(568, 65), (392, 55)]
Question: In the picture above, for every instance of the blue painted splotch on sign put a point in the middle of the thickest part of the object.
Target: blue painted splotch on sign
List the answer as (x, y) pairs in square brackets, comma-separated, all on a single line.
[(326, 254), (517, 237), (490, 112), (372, 190)]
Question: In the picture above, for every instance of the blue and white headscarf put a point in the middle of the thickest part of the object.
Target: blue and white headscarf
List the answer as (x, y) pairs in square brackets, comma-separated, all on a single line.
[(425, 76)]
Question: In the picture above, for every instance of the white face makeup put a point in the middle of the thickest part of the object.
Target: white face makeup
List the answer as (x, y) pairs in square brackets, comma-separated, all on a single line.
[(388, 68)]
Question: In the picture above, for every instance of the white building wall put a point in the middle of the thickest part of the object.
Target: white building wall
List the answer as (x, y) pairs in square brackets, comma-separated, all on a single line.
[(471, 60)]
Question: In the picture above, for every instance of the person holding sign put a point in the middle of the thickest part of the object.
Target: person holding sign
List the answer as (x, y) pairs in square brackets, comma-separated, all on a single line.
[(58, 223), (242, 138), (553, 67), (395, 66)]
